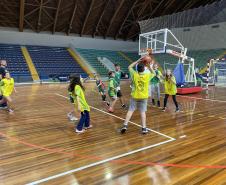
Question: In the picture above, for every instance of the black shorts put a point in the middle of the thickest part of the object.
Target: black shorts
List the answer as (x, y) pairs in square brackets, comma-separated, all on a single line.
[(119, 94)]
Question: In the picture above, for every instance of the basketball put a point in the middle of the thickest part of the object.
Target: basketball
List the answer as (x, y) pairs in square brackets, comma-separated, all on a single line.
[(146, 60), (149, 51)]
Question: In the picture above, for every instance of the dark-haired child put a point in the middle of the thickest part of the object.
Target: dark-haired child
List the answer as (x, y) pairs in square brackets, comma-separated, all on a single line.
[(78, 95), (141, 80)]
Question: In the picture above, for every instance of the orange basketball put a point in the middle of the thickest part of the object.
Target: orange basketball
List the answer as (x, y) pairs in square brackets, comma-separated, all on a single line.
[(146, 60), (149, 51)]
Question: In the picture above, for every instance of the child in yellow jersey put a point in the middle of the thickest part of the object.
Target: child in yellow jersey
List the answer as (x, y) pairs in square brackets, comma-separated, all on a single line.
[(139, 93), (170, 89), (6, 88), (70, 115), (78, 95)]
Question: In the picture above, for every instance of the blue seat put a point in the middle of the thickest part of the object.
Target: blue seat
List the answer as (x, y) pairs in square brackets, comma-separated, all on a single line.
[(14, 57), (53, 61)]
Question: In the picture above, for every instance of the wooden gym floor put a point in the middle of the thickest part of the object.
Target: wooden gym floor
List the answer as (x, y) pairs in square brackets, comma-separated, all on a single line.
[(39, 145)]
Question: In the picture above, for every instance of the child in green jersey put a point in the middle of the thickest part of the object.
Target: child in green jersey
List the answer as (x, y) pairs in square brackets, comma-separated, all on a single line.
[(155, 85), (118, 76), (102, 90), (112, 91)]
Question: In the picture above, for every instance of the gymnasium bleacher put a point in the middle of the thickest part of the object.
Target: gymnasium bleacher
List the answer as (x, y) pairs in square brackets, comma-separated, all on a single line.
[(132, 55), (53, 61), (91, 56), (202, 56), (16, 62)]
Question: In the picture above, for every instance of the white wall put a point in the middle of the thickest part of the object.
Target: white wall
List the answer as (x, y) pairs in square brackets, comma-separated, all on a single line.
[(202, 37), (199, 37), (13, 36)]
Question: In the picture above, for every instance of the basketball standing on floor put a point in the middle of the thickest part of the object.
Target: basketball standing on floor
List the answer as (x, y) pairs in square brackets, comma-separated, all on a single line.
[(139, 93)]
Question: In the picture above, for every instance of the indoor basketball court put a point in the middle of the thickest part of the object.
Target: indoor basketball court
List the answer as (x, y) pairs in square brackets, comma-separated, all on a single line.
[(39, 144), (112, 92)]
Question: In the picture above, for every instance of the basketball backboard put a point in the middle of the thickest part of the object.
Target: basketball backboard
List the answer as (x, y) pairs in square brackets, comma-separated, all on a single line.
[(159, 41)]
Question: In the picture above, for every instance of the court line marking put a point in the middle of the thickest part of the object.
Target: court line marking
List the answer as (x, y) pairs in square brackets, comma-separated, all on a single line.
[(71, 154), (98, 163), (186, 112), (137, 162), (204, 99), (189, 113), (121, 118), (192, 97)]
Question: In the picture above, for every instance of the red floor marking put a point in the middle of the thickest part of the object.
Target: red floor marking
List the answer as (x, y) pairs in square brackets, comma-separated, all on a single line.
[(120, 161)]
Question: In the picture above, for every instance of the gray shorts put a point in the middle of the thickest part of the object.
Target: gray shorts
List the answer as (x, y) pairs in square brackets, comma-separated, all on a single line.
[(155, 91), (149, 90), (113, 98), (141, 105)]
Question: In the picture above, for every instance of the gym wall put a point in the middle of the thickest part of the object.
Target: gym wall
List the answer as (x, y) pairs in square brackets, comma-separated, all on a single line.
[(13, 36)]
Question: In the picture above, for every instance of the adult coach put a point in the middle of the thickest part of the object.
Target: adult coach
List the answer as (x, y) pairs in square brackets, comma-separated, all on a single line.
[(3, 65), (118, 76)]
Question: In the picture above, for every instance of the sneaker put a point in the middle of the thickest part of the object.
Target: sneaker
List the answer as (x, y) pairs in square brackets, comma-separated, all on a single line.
[(123, 129), (177, 110), (164, 109), (71, 117), (144, 131), (79, 131), (10, 110), (90, 126)]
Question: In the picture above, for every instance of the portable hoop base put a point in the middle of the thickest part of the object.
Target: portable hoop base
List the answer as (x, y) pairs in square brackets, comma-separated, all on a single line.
[(189, 90)]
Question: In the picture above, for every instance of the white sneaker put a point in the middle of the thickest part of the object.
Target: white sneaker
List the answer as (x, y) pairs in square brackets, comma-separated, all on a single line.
[(71, 117), (79, 131), (10, 110), (144, 130), (177, 110), (90, 126)]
